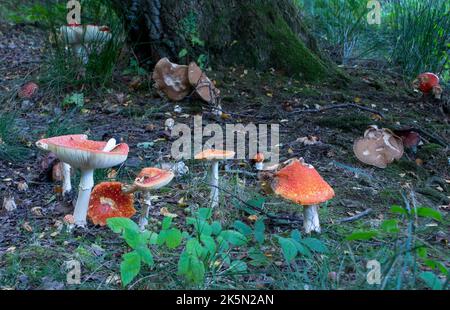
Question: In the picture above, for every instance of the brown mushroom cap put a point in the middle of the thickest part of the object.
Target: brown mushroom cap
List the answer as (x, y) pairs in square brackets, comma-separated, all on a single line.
[(153, 178), (378, 147), (211, 154), (204, 87), (302, 184), (172, 79)]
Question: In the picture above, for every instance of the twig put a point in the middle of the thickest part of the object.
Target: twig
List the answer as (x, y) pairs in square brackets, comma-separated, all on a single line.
[(355, 217), (341, 106)]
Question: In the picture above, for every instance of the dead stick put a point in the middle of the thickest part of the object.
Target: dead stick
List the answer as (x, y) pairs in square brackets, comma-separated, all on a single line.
[(355, 217), (341, 106)]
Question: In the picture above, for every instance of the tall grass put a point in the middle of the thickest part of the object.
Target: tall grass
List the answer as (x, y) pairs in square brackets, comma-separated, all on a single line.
[(420, 34), (10, 147)]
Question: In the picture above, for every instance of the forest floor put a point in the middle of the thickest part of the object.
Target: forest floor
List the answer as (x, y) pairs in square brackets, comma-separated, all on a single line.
[(34, 246)]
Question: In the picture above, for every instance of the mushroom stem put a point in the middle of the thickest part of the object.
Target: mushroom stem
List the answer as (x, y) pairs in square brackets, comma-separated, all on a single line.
[(259, 166), (214, 197), (146, 206), (84, 193), (311, 219), (67, 184)]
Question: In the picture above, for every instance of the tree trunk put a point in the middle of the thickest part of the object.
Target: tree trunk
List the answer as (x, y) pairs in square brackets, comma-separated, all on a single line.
[(255, 33)]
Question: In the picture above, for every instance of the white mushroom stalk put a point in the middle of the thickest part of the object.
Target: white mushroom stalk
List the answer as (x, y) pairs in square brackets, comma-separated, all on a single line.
[(311, 219), (214, 184), (86, 155), (67, 183), (214, 156), (146, 206)]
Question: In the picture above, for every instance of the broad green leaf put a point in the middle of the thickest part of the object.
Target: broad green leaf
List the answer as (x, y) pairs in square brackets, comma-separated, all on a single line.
[(167, 221), (197, 270), (173, 238), (234, 237), (398, 209), (257, 257), (289, 248), (209, 243), (259, 231), (296, 235), (362, 235), (216, 228), (117, 224), (315, 245), (302, 249), (183, 263), (429, 213), (422, 252), (204, 213), (130, 267), (242, 228), (193, 247), (431, 280), (390, 226), (133, 238), (146, 255), (257, 202)]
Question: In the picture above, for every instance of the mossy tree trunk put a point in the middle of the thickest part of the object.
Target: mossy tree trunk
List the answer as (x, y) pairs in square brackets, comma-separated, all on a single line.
[(256, 33)]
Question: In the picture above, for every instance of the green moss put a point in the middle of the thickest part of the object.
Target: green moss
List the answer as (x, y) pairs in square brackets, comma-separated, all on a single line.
[(346, 122), (428, 150)]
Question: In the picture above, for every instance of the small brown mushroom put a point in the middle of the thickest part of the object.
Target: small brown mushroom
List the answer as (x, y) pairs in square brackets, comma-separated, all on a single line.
[(204, 87), (378, 147), (172, 79)]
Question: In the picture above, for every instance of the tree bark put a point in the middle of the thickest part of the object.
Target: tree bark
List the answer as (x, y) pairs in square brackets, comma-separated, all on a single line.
[(255, 33)]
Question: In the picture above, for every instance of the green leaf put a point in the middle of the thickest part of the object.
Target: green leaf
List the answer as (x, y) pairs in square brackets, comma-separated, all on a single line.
[(399, 210), (146, 255), (216, 228), (422, 252), (242, 228), (257, 203), (191, 267), (303, 250), (209, 243), (118, 224), (167, 221), (362, 235), (182, 53), (259, 231), (234, 237), (296, 235), (429, 213), (390, 226), (431, 280), (130, 267), (76, 99), (257, 257), (289, 248), (173, 238), (201, 226), (193, 247), (205, 213), (315, 245), (238, 266), (133, 238)]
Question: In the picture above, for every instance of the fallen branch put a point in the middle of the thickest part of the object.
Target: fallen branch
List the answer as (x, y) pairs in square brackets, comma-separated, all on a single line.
[(341, 106), (355, 217)]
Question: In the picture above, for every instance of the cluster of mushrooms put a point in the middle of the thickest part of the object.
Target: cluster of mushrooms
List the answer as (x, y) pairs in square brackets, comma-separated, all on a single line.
[(293, 180), (179, 81)]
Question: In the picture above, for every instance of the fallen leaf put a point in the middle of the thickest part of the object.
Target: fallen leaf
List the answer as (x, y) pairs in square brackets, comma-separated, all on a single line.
[(27, 227), (165, 212)]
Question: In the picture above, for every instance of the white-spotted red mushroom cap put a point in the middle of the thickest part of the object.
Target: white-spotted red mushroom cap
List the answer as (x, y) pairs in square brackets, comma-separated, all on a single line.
[(213, 155), (108, 200), (172, 79), (301, 183), (153, 178), (79, 152)]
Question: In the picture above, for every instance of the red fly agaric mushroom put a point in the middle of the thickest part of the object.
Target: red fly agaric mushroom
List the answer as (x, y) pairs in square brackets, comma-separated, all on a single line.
[(378, 147), (28, 90), (302, 184), (86, 155), (172, 79), (215, 156), (107, 201), (428, 83), (150, 179)]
